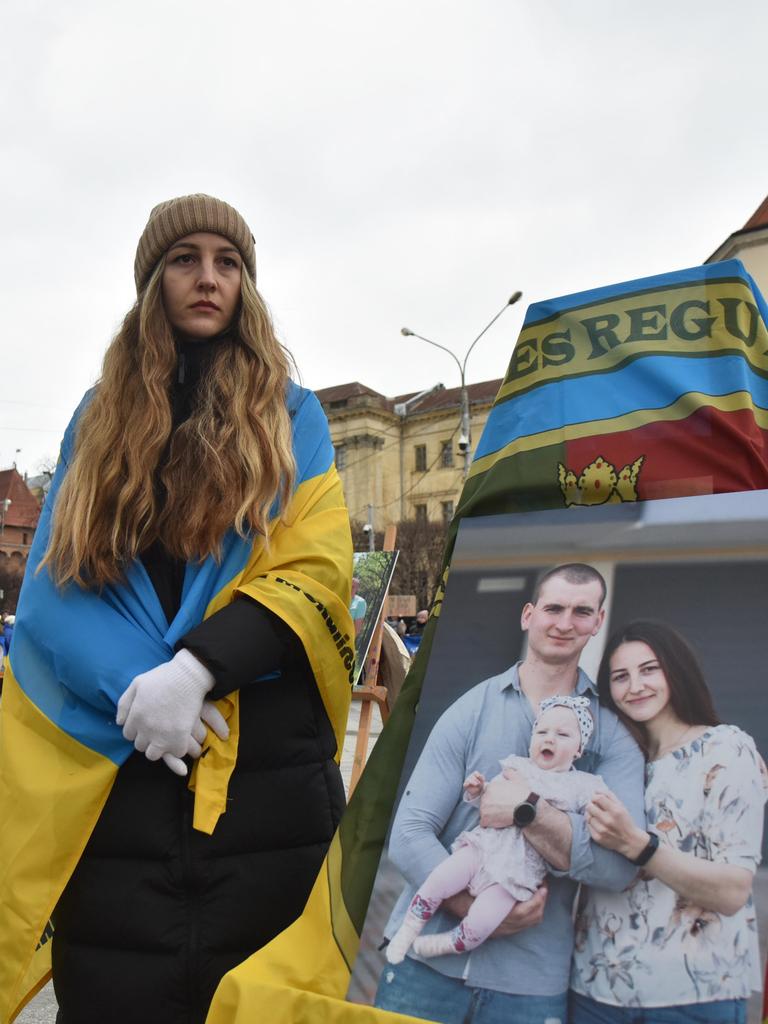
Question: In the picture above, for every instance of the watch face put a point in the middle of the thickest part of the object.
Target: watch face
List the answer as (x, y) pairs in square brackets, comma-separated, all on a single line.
[(524, 814)]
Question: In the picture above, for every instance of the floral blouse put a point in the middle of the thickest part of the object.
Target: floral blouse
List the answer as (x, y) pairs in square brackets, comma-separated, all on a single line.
[(647, 946)]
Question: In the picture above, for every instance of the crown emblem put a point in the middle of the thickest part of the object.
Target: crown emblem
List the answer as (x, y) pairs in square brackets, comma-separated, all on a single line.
[(600, 483)]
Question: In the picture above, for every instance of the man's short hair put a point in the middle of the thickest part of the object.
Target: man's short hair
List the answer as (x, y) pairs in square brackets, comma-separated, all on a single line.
[(577, 573)]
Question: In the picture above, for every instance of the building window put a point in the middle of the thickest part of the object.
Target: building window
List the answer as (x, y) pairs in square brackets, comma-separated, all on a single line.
[(421, 513), (25, 538), (446, 455), (447, 511), (420, 452), (341, 457)]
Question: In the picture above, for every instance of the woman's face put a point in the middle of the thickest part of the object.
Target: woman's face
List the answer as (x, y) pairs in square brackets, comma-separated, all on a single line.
[(638, 685), (201, 284)]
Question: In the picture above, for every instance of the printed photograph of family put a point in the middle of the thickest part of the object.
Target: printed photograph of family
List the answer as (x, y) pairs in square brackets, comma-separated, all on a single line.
[(579, 824)]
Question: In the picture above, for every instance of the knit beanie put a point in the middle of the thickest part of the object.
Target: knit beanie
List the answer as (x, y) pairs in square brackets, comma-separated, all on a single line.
[(175, 218)]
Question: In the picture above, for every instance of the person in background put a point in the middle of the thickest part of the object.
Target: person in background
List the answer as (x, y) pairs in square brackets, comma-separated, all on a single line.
[(9, 622), (419, 624)]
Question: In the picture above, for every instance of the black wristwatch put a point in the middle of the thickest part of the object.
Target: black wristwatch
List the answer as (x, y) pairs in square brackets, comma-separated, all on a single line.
[(525, 812), (648, 850)]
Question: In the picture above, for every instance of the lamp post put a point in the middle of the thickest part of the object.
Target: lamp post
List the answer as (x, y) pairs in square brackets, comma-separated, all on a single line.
[(465, 437)]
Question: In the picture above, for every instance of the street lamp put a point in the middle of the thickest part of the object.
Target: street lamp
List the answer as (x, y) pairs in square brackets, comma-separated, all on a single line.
[(465, 437)]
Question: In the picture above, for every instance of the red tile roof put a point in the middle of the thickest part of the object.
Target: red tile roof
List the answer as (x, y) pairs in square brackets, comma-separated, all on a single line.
[(483, 391), (338, 392), (24, 509)]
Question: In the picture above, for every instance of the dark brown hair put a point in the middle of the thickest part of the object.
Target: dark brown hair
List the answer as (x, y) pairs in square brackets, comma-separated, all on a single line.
[(689, 694)]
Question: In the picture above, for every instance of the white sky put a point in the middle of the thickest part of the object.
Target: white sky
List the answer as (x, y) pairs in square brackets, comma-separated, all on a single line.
[(410, 162)]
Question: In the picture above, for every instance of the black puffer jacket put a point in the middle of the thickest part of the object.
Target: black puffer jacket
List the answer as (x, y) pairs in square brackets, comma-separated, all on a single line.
[(156, 912)]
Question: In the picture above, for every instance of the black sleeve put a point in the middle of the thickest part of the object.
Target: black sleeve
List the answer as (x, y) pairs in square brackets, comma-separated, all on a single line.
[(240, 643)]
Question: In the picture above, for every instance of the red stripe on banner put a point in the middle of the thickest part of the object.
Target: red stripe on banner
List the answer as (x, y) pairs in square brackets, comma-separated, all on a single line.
[(710, 451)]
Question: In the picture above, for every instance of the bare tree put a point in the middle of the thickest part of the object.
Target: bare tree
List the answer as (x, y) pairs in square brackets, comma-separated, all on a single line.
[(419, 565), (11, 575), (47, 466)]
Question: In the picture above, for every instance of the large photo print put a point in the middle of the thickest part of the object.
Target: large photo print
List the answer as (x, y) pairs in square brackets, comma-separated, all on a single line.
[(581, 806)]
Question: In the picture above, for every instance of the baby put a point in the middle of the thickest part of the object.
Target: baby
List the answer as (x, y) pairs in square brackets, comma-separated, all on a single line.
[(497, 865)]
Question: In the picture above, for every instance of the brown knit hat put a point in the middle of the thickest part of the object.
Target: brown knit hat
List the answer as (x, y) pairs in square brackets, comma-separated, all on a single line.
[(175, 218)]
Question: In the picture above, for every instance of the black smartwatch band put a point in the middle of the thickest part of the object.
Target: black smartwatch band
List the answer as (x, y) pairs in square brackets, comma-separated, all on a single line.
[(525, 812), (648, 850)]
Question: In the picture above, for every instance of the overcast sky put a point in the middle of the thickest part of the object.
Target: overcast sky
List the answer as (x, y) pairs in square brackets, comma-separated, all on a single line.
[(412, 163)]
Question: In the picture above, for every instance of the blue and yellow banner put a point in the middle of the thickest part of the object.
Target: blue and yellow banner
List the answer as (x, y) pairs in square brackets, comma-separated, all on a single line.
[(74, 652), (654, 368), (650, 388)]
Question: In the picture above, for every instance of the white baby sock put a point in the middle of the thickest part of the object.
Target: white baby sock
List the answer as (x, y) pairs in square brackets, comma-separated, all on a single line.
[(436, 945), (403, 938)]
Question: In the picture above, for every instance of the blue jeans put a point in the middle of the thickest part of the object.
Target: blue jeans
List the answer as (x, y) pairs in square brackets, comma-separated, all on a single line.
[(582, 1010), (415, 989)]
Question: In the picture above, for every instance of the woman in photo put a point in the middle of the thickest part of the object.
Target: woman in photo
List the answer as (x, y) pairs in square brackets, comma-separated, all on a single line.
[(191, 569), (680, 944)]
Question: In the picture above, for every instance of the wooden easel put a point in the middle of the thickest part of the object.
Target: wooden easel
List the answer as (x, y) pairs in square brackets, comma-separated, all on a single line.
[(370, 694)]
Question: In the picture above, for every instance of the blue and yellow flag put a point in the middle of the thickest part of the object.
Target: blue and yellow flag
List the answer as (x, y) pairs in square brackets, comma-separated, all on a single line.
[(650, 388), (74, 652)]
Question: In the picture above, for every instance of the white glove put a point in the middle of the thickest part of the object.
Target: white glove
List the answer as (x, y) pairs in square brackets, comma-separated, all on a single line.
[(160, 711), (216, 722), (213, 718)]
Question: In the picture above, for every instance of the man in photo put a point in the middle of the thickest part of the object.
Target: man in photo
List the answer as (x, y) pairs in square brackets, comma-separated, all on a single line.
[(522, 972)]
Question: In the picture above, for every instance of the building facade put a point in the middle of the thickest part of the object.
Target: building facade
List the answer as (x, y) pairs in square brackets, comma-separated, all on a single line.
[(399, 458), (19, 513)]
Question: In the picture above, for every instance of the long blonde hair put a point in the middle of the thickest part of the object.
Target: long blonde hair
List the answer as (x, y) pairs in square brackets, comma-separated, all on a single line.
[(223, 467)]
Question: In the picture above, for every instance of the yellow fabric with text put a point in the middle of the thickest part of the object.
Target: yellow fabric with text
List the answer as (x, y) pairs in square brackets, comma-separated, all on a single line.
[(302, 975), (601, 336), (302, 570), (53, 788)]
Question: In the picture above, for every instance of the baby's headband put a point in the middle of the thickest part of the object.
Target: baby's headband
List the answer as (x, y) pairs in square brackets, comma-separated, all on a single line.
[(579, 706)]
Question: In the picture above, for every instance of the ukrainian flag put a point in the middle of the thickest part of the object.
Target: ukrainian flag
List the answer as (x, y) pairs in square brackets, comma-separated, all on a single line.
[(74, 652), (651, 388)]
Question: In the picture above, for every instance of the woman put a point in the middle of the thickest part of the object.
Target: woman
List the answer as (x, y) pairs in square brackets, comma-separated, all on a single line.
[(680, 943), (192, 567)]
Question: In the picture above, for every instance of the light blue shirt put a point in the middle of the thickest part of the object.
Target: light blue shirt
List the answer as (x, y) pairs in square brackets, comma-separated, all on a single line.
[(358, 606), (491, 721)]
